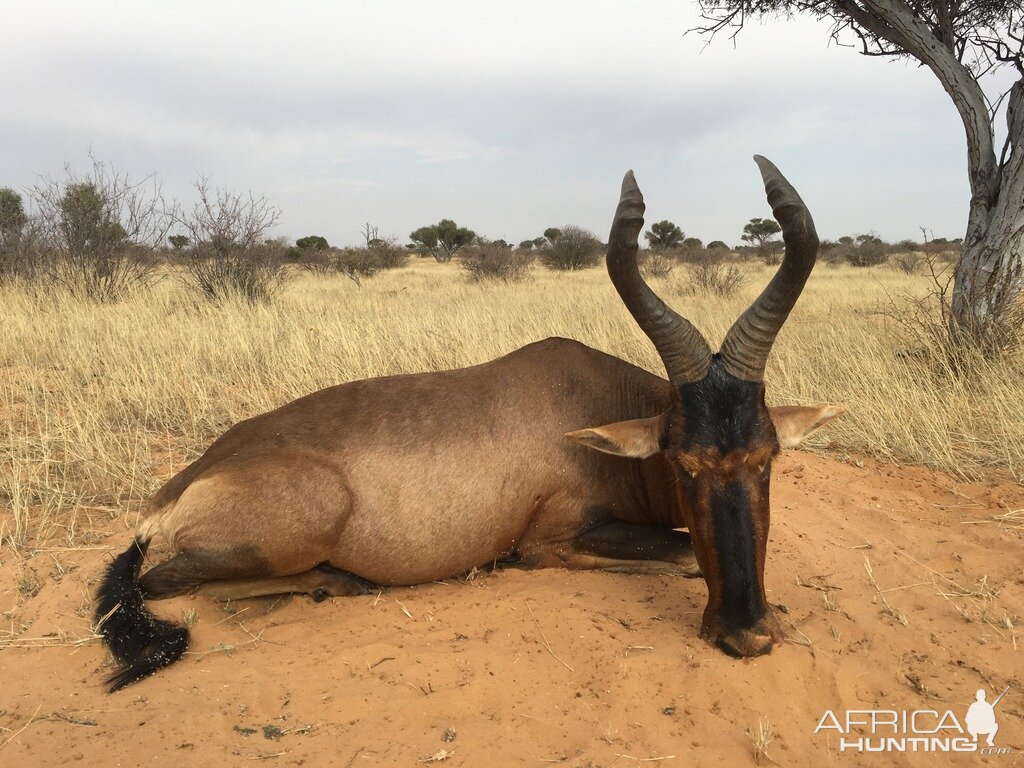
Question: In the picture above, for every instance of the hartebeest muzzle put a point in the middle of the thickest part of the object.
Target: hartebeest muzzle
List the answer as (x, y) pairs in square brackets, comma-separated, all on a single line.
[(717, 437)]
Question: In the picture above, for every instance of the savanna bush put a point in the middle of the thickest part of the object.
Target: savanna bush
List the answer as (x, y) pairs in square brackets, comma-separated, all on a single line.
[(715, 277), (573, 248), (494, 262), (222, 271), (656, 263), (93, 234)]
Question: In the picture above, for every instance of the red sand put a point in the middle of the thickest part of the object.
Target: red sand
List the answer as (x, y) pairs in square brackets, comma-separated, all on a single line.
[(556, 667)]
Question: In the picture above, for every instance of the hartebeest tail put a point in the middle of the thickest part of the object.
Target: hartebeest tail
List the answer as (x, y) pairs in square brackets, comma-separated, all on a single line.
[(139, 641)]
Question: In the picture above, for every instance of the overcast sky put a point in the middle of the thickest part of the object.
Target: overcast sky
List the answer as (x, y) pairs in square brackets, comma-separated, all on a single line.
[(509, 118)]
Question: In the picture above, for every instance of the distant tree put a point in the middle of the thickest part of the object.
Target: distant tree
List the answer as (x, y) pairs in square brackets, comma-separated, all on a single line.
[(87, 221), (961, 43), (178, 241), (312, 243), (845, 240), (12, 212), (574, 248), (693, 243), (717, 245), (17, 257), (664, 235), (551, 234), (424, 240), (499, 243), (759, 233), (540, 242), (442, 240), (526, 245), (98, 231)]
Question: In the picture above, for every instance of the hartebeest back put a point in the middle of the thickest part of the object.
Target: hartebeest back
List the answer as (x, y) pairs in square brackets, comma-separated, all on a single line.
[(407, 479)]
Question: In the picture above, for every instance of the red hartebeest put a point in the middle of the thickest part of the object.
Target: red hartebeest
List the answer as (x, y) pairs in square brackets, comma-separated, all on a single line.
[(407, 479)]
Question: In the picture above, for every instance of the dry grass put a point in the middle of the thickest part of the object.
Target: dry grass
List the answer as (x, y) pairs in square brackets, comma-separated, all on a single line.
[(100, 403), (761, 736)]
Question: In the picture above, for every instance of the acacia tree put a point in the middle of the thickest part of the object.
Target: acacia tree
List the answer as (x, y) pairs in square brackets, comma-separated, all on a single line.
[(312, 243), (664, 234), (760, 233), (442, 240), (960, 41)]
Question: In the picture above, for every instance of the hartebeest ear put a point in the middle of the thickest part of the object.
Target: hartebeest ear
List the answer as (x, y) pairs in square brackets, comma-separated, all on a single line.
[(795, 422), (637, 439)]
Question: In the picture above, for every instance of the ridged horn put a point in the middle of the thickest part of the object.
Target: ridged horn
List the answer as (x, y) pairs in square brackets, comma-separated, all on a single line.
[(748, 343), (683, 351)]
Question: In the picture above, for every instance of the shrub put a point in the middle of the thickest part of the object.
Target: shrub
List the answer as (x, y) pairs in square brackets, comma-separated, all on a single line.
[(869, 251), (96, 234), (387, 254), (715, 277), (656, 264), (573, 248), (771, 253), (255, 274), (832, 253), (492, 262), (909, 263), (231, 255), (354, 263)]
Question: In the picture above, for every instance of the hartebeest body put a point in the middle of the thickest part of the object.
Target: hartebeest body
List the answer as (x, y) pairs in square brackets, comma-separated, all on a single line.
[(407, 479)]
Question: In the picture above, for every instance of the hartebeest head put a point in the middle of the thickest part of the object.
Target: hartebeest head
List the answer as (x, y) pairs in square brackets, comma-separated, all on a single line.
[(718, 436)]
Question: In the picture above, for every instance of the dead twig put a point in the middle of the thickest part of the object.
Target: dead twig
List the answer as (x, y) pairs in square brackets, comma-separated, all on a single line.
[(646, 759), (885, 603), (18, 732), (545, 639)]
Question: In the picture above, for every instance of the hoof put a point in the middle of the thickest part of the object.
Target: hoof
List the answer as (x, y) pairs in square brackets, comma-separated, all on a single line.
[(319, 595)]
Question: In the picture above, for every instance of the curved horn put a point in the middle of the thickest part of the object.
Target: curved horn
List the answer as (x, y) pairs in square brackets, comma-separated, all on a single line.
[(747, 344), (682, 349)]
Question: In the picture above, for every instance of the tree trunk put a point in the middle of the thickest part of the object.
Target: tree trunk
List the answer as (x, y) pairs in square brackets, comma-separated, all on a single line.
[(989, 277)]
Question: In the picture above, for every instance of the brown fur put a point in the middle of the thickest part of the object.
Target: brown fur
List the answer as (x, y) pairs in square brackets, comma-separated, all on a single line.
[(412, 478)]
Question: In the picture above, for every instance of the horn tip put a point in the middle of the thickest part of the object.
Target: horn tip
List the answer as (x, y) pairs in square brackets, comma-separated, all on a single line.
[(630, 191), (766, 166)]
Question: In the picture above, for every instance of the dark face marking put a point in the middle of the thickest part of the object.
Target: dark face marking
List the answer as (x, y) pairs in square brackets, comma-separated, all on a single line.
[(735, 541), (721, 412), (720, 442)]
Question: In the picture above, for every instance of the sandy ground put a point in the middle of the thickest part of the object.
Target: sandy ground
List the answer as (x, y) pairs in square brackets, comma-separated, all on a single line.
[(556, 667)]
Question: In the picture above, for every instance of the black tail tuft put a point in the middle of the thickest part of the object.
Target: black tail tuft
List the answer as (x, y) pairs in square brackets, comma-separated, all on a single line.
[(139, 641)]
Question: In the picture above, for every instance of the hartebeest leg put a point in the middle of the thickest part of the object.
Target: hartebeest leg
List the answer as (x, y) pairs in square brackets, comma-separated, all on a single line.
[(187, 570), (636, 548), (621, 547), (234, 576), (320, 583)]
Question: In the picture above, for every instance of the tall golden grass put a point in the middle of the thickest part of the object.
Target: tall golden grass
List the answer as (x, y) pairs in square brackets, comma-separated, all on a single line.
[(100, 403)]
